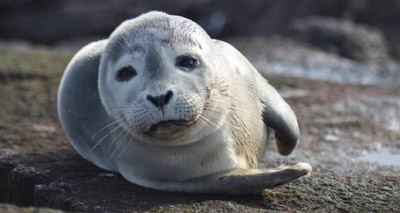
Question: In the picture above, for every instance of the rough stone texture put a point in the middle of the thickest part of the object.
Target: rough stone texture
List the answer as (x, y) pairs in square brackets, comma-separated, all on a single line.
[(342, 37), (339, 122), (15, 209), (64, 180)]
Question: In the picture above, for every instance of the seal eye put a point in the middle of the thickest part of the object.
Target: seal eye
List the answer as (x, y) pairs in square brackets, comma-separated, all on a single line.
[(187, 62), (126, 73)]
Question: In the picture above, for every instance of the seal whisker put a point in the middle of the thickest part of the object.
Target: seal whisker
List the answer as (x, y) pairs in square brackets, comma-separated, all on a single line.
[(110, 124), (122, 45), (206, 124), (126, 147), (209, 118), (210, 122), (117, 147), (102, 139), (216, 115), (114, 140), (212, 114), (126, 41)]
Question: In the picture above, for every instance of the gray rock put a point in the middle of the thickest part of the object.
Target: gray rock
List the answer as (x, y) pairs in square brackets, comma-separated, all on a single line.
[(65, 181), (51, 21), (16, 209), (279, 55), (338, 121), (66, 19), (73, 184), (342, 37), (384, 110)]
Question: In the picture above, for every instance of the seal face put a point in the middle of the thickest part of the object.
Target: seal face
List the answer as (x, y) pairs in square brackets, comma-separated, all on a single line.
[(159, 82), (184, 112)]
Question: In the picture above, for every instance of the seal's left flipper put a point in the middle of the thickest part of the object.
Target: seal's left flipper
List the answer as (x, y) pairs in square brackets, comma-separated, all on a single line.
[(245, 181), (278, 115)]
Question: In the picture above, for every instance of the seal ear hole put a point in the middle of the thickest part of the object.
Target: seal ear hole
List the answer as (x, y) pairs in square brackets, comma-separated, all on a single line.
[(187, 62), (125, 73)]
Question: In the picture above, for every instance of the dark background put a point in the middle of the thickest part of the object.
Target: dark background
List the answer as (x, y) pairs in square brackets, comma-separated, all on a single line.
[(52, 21)]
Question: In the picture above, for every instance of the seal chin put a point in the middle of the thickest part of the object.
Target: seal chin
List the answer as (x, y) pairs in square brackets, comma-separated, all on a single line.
[(169, 129)]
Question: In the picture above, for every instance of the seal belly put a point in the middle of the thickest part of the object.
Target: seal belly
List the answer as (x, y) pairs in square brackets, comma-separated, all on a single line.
[(143, 161)]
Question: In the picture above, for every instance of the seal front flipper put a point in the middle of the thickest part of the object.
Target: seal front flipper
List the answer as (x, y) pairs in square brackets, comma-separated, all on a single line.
[(278, 115)]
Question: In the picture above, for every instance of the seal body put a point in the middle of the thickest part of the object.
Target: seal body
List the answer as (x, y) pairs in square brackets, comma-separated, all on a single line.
[(169, 108)]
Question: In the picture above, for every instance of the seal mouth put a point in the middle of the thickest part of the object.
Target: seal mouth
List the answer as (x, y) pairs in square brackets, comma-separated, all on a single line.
[(169, 126), (167, 123)]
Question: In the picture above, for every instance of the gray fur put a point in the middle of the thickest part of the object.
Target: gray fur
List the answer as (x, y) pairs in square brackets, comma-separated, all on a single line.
[(156, 27), (230, 104), (153, 60), (79, 107)]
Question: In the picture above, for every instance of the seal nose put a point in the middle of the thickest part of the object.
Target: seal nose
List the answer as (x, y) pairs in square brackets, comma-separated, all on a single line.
[(160, 101)]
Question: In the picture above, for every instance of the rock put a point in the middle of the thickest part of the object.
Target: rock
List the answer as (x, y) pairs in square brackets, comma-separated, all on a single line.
[(278, 55), (83, 18), (342, 37), (51, 21), (64, 20), (73, 184), (383, 110), (39, 168), (15, 209)]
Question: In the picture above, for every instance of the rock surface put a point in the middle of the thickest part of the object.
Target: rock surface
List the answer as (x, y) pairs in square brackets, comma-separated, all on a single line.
[(15, 209), (341, 37), (283, 56), (339, 124)]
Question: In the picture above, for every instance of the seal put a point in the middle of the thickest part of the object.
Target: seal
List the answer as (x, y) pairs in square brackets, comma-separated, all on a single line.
[(169, 108)]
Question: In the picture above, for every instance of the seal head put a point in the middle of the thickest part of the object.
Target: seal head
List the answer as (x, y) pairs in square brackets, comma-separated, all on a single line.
[(156, 80)]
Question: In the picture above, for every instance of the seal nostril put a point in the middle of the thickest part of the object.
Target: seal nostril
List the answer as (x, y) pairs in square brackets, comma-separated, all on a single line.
[(153, 100), (168, 96), (160, 101)]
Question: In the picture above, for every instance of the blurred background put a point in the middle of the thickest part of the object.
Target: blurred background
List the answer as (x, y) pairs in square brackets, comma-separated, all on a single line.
[(54, 21), (335, 62), (361, 30)]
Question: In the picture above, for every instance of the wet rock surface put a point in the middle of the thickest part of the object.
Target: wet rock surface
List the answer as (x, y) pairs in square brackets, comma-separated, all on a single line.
[(340, 120)]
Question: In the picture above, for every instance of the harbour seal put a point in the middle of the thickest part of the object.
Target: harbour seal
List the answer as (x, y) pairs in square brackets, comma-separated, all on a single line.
[(169, 108)]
